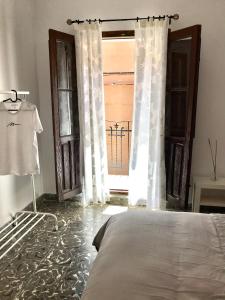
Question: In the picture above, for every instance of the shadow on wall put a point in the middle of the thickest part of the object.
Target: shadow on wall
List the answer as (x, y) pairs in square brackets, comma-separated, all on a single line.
[(17, 62)]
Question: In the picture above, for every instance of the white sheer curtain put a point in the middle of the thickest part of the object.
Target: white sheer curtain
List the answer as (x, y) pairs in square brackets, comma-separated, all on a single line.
[(147, 167), (88, 41)]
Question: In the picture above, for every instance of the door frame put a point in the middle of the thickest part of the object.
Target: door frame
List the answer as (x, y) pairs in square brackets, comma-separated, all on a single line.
[(120, 34)]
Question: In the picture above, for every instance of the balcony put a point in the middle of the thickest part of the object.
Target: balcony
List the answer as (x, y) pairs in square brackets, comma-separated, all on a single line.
[(118, 137)]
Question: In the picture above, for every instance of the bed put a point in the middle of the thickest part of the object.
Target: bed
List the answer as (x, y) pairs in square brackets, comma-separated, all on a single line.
[(147, 255)]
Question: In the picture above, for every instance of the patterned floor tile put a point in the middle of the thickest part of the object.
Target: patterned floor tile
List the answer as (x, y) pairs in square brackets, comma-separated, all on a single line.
[(53, 265)]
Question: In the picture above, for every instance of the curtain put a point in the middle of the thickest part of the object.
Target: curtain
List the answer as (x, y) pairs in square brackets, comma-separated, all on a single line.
[(147, 166), (88, 42)]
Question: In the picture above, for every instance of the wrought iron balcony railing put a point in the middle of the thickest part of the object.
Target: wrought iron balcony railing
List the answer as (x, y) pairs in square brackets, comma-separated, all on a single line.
[(118, 136)]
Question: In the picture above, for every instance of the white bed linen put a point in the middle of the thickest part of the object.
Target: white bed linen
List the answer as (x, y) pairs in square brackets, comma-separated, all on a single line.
[(147, 255)]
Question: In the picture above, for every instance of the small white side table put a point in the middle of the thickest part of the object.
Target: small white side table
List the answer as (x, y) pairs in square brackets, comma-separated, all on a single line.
[(206, 183)]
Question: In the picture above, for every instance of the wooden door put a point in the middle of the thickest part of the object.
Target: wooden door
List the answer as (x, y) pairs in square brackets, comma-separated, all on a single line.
[(181, 99), (65, 114)]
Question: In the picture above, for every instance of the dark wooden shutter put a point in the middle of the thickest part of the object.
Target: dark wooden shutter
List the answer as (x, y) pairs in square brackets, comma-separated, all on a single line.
[(65, 114), (181, 99)]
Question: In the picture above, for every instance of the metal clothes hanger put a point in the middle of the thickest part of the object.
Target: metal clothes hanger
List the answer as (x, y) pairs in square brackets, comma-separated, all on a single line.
[(13, 101)]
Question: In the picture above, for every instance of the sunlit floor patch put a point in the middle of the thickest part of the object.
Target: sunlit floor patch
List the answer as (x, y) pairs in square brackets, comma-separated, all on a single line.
[(114, 209)]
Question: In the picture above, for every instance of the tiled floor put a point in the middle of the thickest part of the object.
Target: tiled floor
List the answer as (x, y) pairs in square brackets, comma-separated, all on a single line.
[(52, 265)]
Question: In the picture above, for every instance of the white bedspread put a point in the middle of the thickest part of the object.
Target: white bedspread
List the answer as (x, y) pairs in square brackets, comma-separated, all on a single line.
[(159, 255)]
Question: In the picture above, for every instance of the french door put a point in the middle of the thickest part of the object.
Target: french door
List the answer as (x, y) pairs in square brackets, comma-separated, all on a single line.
[(65, 114), (181, 100)]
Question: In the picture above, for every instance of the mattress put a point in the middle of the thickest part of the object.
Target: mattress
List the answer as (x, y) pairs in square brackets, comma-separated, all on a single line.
[(147, 255)]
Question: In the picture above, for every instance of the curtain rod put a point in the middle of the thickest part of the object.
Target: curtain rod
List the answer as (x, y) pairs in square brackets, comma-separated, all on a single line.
[(18, 92), (170, 17)]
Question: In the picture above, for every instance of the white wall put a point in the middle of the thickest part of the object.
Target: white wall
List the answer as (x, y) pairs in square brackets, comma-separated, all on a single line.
[(18, 71), (211, 99)]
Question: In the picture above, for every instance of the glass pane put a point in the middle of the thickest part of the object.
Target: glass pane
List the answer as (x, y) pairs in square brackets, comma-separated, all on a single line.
[(70, 58), (65, 113), (181, 51), (62, 65)]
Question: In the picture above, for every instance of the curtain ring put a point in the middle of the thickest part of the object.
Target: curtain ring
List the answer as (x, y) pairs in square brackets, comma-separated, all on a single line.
[(148, 18), (137, 19)]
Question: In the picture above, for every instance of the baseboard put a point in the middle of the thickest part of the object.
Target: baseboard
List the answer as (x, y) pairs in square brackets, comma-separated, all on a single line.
[(49, 197), (40, 199)]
